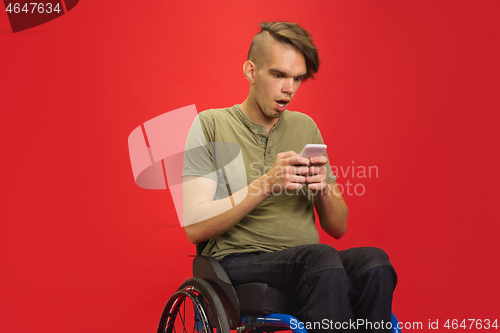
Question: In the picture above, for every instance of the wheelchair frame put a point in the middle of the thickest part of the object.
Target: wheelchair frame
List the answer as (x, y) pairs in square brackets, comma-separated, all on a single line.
[(215, 304)]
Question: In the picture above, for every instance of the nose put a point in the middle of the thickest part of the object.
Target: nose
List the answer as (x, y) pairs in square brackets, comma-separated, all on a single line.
[(290, 85)]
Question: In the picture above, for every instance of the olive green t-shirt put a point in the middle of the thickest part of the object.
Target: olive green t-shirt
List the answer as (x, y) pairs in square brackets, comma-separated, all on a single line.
[(225, 145)]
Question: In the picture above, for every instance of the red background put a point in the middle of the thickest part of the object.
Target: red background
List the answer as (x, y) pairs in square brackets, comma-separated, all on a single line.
[(410, 87)]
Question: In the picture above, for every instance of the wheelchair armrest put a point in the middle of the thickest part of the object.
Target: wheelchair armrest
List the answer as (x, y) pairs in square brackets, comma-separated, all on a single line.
[(210, 270)]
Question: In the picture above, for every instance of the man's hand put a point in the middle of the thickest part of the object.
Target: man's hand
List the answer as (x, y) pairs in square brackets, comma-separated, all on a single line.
[(331, 208), (288, 173), (316, 178)]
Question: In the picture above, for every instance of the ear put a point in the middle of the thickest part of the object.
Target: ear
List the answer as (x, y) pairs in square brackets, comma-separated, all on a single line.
[(249, 71)]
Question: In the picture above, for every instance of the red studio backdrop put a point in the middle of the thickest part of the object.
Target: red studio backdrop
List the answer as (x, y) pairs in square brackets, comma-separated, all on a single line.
[(407, 99)]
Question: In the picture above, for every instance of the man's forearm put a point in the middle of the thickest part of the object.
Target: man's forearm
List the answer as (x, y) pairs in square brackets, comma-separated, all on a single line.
[(332, 211), (206, 220)]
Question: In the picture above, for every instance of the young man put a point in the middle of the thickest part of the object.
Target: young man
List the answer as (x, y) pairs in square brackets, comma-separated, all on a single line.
[(248, 191)]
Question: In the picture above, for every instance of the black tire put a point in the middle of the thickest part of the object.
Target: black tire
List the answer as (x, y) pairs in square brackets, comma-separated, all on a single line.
[(179, 317)]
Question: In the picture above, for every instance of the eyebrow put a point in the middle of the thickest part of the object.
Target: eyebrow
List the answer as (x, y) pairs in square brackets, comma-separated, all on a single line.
[(277, 71)]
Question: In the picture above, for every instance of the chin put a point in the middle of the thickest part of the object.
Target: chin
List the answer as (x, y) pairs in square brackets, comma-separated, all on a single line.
[(272, 114)]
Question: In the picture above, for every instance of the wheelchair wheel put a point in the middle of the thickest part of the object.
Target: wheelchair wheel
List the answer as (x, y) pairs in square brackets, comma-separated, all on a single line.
[(194, 308)]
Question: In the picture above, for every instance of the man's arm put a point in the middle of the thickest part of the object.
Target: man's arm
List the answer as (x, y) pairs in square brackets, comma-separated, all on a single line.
[(205, 218), (329, 204), (332, 211)]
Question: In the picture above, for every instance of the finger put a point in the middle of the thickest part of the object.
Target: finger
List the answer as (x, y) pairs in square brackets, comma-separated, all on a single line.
[(293, 187), (320, 160), (315, 170), (295, 179), (298, 160), (301, 170), (317, 187), (316, 179), (295, 170), (286, 154)]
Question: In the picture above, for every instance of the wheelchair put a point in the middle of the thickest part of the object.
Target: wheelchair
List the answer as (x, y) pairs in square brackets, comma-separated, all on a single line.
[(209, 301)]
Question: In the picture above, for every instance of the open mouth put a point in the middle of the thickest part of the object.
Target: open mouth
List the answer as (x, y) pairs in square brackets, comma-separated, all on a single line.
[(282, 102)]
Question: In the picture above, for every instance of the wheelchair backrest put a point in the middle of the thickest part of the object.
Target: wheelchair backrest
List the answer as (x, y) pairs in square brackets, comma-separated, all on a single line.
[(200, 247)]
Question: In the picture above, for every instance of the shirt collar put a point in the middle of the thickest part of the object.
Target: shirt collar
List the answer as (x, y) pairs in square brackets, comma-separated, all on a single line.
[(250, 124)]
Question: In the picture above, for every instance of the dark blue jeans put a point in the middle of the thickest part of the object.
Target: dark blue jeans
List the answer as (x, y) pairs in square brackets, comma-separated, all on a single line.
[(337, 290)]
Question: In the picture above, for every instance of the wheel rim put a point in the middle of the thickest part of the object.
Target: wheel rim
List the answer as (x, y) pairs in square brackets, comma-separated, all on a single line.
[(187, 313)]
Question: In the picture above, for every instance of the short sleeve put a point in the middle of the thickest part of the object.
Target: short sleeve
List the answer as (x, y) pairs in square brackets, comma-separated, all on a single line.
[(210, 157), (198, 158)]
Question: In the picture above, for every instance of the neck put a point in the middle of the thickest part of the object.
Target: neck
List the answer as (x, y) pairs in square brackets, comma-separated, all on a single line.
[(255, 114)]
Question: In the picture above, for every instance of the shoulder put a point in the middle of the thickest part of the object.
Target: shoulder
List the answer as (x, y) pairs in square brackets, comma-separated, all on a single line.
[(299, 118), (211, 117), (217, 114), (222, 116)]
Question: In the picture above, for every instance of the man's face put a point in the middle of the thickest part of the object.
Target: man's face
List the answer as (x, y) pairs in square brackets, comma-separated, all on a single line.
[(278, 79)]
